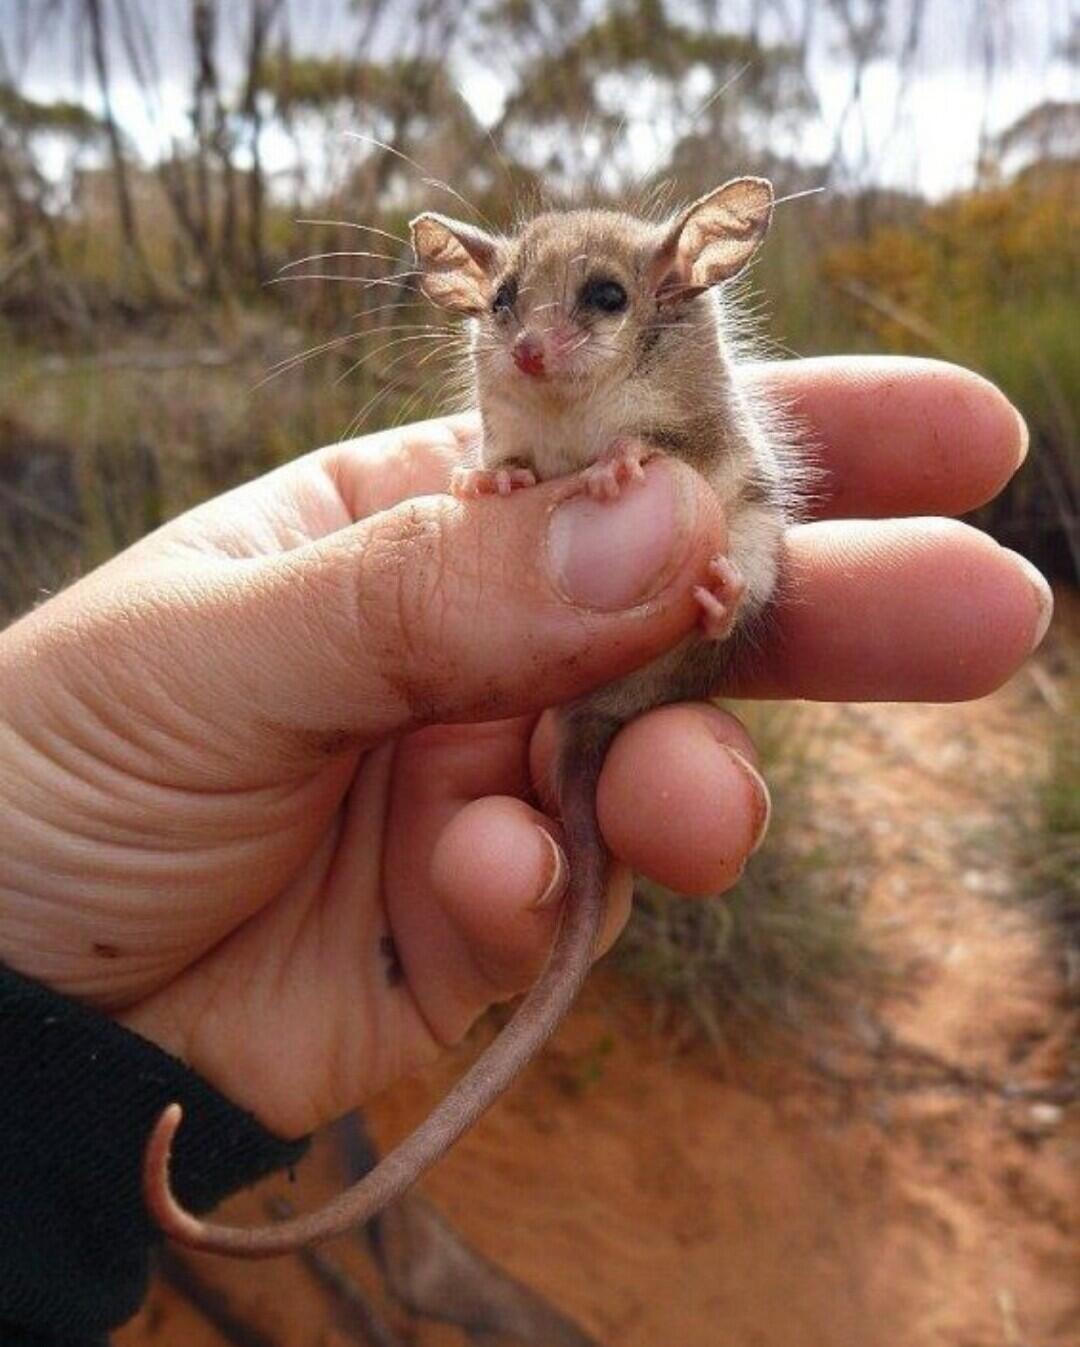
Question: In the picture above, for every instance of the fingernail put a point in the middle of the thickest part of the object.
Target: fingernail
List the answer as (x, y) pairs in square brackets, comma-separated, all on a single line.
[(762, 798), (1044, 596), (615, 554), (1025, 438), (556, 885)]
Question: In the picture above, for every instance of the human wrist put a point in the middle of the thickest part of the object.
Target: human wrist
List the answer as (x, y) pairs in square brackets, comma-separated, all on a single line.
[(83, 1094)]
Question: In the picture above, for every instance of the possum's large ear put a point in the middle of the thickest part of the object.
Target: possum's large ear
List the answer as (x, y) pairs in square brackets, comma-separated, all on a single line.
[(456, 261), (713, 239)]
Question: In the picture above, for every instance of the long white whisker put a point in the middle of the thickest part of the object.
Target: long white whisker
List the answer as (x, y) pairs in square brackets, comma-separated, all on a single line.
[(352, 224), (717, 94), (445, 186), (365, 281), (358, 420), (386, 346), (797, 196), (700, 112), (408, 405), (392, 387), (322, 257), (301, 358), (382, 145), (424, 173), (432, 354), (436, 329)]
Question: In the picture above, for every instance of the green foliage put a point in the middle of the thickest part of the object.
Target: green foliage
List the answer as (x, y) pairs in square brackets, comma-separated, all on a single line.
[(958, 262), (988, 278), (1056, 857), (1046, 853), (404, 84), (635, 40), (1061, 793), (60, 117)]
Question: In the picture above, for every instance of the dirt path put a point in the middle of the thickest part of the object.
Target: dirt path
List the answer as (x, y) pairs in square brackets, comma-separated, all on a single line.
[(680, 1198)]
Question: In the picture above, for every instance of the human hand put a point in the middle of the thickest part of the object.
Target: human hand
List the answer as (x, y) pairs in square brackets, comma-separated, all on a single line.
[(272, 781)]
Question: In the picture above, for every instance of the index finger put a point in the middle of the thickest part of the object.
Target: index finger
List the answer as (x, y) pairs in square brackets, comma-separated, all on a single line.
[(895, 437)]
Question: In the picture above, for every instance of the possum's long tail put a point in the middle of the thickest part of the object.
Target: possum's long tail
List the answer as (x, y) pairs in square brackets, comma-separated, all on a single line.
[(536, 1019)]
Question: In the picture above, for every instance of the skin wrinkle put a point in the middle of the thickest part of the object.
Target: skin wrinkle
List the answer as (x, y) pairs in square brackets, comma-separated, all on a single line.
[(22, 925), (214, 983), (316, 879), (111, 987), (105, 830), (285, 917), (115, 856), (325, 620), (71, 848), (335, 604), (95, 910), (37, 780), (389, 568), (328, 605), (87, 770), (270, 532), (136, 704)]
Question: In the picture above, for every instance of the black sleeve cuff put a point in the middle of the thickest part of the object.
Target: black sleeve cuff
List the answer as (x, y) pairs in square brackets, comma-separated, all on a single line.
[(79, 1095)]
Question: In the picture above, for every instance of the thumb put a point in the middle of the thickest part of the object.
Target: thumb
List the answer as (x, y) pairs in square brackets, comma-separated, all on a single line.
[(440, 611)]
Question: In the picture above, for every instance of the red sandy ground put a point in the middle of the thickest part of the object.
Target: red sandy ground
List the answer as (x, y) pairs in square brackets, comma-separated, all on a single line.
[(690, 1199)]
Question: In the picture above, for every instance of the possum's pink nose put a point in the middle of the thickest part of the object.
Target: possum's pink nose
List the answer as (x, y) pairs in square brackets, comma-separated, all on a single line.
[(528, 354)]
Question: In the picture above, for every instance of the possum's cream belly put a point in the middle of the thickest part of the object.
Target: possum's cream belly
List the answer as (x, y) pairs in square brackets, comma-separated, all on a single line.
[(554, 440)]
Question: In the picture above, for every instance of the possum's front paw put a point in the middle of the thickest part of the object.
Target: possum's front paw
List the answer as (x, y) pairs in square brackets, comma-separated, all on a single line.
[(721, 598), (620, 465), (468, 483)]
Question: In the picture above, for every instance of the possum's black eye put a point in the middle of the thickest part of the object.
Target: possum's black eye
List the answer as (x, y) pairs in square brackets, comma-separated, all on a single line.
[(505, 297), (600, 293)]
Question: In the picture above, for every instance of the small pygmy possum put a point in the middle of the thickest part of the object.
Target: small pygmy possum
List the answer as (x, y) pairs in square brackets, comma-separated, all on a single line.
[(599, 339)]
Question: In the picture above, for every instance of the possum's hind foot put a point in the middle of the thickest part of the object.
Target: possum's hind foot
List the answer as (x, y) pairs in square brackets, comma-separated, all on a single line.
[(721, 598), (468, 483)]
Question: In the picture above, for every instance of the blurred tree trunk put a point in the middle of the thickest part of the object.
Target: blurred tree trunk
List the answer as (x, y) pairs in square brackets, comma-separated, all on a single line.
[(203, 28), (18, 222), (213, 141), (132, 245), (264, 13), (28, 217), (27, 210)]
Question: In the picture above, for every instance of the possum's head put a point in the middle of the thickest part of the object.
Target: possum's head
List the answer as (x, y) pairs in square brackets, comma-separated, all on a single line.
[(570, 300)]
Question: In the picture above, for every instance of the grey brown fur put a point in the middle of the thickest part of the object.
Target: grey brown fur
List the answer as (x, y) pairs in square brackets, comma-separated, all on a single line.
[(566, 386)]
